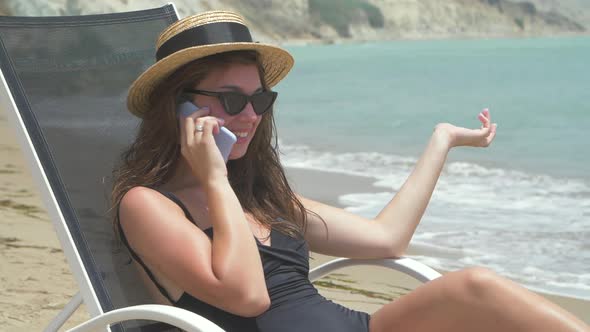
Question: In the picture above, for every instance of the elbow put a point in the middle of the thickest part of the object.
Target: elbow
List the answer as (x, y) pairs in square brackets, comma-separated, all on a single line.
[(253, 304), (393, 252), (236, 298), (391, 248), (396, 250), (243, 298), (389, 244)]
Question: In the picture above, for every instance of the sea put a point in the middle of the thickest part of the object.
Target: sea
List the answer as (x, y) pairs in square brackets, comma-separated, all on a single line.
[(520, 207)]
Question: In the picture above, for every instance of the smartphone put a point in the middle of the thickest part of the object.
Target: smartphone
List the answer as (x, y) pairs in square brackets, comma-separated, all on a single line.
[(225, 140)]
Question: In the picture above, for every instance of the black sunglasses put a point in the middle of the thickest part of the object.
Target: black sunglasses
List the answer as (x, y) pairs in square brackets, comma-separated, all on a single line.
[(234, 102)]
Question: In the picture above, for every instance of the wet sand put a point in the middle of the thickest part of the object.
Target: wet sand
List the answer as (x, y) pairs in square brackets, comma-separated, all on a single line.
[(368, 288)]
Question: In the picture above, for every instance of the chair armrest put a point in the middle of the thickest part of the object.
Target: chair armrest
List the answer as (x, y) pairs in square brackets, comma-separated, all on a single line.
[(408, 266), (192, 322), (181, 318)]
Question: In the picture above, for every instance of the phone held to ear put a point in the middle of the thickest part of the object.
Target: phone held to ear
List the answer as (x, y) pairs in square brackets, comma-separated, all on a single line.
[(225, 140)]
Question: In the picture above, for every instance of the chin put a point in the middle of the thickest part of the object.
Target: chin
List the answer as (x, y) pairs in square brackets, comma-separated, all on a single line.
[(236, 155)]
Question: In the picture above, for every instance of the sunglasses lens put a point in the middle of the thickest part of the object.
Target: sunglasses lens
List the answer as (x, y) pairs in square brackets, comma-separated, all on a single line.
[(234, 103), (263, 101)]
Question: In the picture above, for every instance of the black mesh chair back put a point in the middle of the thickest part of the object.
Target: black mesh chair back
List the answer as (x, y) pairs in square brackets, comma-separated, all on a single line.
[(67, 80)]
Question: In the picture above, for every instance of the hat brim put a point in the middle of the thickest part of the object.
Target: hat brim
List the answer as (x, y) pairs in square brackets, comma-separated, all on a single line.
[(276, 62)]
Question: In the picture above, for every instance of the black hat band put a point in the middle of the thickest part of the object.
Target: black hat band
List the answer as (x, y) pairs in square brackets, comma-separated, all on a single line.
[(208, 34)]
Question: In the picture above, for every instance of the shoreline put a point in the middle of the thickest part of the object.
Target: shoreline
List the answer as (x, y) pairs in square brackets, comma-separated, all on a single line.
[(448, 37), (308, 182), (367, 288), (365, 277)]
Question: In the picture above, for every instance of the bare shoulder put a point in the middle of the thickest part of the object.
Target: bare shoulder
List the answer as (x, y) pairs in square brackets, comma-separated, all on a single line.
[(145, 205), (138, 197), (148, 217)]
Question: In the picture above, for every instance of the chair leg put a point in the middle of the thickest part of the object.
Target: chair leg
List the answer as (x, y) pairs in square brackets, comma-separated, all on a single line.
[(65, 313)]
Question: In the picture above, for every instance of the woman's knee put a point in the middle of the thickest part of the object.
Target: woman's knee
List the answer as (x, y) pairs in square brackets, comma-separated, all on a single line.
[(477, 283)]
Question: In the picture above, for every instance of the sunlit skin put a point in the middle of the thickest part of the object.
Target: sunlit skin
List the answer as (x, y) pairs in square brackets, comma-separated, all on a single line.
[(228, 272), (202, 163), (237, 78), (211, 115), (246, 79)]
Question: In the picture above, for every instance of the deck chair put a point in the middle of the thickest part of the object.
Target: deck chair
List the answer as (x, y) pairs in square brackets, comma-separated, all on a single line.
[(64, 85)]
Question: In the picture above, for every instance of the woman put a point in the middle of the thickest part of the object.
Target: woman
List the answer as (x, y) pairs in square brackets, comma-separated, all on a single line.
[(230, 242)]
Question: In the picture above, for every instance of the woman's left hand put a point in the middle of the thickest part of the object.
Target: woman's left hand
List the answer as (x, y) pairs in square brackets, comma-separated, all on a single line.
[(459, 136)]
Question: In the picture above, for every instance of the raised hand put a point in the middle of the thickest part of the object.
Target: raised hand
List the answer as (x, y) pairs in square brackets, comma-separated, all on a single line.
[(197, 144), (459, 136)]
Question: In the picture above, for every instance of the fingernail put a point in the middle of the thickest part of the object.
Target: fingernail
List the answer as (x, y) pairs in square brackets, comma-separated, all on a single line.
[(221, 120)]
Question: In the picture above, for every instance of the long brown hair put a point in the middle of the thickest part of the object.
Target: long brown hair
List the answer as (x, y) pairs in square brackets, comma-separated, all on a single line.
[(258, 179)]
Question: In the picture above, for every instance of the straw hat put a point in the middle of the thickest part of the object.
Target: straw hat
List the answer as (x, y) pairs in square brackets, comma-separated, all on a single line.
[(198, 36)]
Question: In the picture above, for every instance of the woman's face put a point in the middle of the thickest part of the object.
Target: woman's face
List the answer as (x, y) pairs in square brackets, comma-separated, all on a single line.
[(242, 78)]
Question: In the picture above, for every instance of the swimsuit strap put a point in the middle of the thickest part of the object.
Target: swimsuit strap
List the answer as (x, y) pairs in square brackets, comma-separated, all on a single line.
[(175, 199), (178, 202)]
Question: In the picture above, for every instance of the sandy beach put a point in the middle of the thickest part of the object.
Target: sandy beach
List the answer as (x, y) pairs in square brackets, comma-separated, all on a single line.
[(35, 280)]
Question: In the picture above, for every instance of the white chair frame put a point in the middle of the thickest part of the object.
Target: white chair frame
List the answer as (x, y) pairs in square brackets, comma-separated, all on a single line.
[(192, 322), (180, 318)]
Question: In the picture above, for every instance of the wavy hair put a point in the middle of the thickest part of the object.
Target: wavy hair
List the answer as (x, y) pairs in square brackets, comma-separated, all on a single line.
[(258, 179)]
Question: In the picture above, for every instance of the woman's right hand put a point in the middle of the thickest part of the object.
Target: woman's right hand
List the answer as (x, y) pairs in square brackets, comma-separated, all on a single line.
[(198, 146)]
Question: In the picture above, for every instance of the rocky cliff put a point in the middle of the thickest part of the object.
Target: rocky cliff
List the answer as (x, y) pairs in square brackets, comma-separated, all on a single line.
[(330, 20), (577, 10)]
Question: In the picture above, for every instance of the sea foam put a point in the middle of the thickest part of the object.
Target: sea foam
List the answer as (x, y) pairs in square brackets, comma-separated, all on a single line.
[(532, 228)]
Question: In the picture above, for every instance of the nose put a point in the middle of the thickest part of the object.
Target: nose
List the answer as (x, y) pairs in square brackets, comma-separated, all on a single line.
[(248, 113)]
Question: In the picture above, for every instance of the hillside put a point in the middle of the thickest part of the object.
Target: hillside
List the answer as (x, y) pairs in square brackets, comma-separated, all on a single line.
[(341, 20), (578, 10)]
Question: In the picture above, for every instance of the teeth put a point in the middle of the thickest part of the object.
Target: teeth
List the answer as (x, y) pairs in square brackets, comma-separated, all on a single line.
[(241, 134)]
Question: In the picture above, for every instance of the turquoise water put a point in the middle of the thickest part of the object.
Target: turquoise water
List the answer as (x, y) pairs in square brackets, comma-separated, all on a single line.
[(369, 109), (390, 95)]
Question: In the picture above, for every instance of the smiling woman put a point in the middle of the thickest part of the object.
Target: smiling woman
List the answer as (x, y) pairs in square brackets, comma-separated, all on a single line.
[(232, 105), (231, 242)]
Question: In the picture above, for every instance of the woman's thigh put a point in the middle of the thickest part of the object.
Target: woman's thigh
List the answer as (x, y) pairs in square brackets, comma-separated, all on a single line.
[(473, 299)]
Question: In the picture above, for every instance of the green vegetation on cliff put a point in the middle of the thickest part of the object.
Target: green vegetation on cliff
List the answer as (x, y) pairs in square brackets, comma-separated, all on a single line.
[(340, 13)]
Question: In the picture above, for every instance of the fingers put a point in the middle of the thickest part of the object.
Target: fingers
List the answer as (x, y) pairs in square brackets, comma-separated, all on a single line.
[(488, 128), (485, 118), (188, 124), (199, 117), (486, 113), (206, 125), (486, 122), (490, 138), (209, 125)]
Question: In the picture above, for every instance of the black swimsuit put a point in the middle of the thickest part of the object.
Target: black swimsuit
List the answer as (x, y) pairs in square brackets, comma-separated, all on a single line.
[(295, 305)]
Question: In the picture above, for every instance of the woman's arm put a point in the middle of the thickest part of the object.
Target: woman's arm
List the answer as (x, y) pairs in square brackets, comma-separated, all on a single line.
[(389, 234), (226, 272)]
